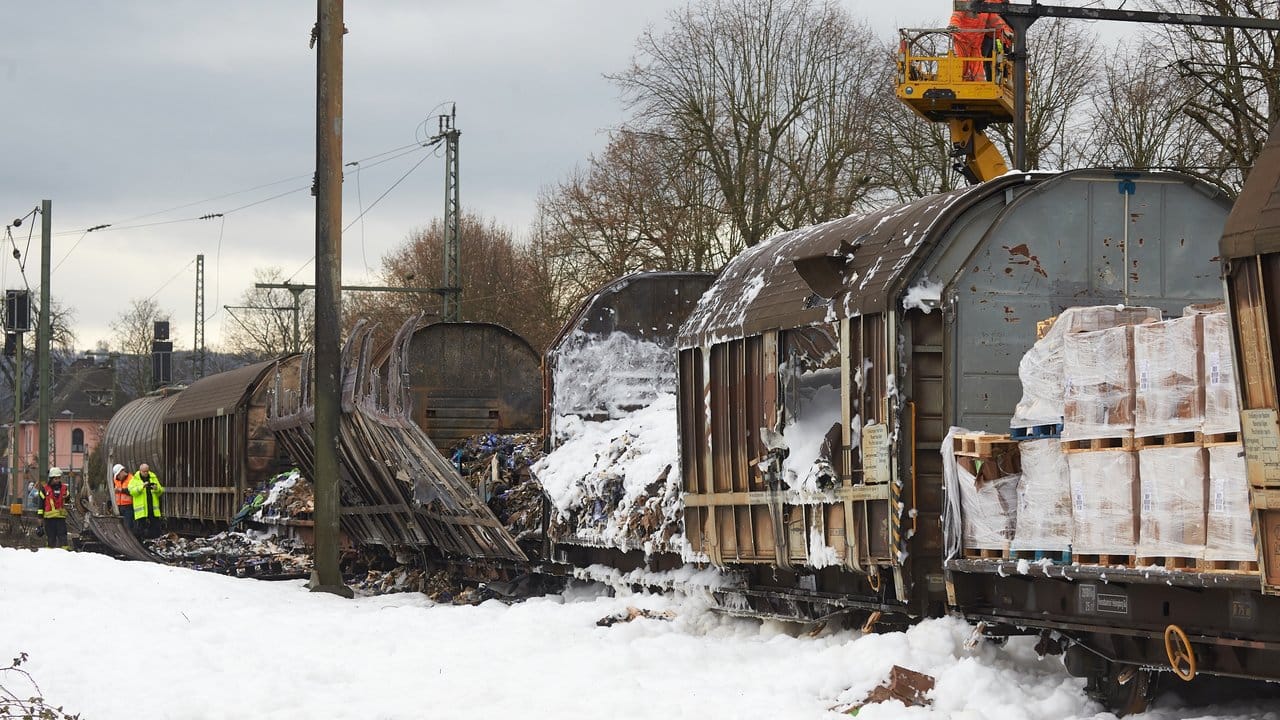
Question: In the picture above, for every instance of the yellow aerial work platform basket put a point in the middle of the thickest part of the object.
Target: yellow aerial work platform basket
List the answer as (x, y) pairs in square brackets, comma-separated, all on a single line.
[(941, 86)]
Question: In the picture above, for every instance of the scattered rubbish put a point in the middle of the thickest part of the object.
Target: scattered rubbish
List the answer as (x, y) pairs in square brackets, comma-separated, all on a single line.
[(497, 468), (236, 554), (908, 687), (285, 497), (631, 613), (440, 586)]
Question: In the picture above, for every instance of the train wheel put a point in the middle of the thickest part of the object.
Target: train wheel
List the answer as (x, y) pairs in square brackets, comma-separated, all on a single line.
[(1124, 689)]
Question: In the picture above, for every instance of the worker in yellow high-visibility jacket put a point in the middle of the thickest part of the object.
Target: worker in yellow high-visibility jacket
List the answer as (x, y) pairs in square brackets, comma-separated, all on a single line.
[(145, 488), (53, 509)]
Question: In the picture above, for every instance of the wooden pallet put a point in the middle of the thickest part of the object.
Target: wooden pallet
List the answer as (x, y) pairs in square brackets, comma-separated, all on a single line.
[(1226, 438), (1168, 562), (1057, 556), (983, 445), (985, 553), (1052, 431), (1190, 438), (1117, 442), (1096, 559), (1247, 567)]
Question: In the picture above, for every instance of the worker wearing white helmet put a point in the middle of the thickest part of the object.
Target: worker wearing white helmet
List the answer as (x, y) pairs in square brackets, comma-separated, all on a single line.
[(53, 508)]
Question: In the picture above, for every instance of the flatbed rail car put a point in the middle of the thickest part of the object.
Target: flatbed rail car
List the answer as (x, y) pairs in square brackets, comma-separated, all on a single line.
[(820, 373)]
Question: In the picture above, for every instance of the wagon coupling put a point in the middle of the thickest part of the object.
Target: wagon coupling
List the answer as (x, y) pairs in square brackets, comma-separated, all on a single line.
[(1182, 658)]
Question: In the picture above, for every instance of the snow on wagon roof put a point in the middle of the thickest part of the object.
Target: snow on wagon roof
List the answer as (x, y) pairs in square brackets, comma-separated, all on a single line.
[(761, 289)]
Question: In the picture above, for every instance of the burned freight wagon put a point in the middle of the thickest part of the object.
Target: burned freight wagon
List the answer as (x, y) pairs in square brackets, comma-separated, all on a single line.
[(819, 375), (217, 445), (609, 384), (468, 378), (134, 435)]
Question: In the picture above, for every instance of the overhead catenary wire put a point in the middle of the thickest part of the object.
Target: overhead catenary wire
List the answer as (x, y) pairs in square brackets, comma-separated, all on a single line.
[(374, 204)]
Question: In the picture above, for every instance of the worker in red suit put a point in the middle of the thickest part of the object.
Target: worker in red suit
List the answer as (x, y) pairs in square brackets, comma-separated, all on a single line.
[(53, 509), (975, 35)]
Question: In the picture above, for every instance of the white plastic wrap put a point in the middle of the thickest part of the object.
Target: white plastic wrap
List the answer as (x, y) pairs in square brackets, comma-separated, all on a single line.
[(1044, 498), (1166, 364), (1230, 528), (989, 507), (1099, 383), (1172, 515), (1041, 369), (1104, 489), (1221, 411)]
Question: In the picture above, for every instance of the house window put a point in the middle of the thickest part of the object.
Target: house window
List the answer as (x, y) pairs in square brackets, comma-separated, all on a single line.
[(77, 440)]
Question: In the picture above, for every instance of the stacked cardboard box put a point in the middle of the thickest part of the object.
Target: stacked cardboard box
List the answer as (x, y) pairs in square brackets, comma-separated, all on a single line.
[(1099, 395), (989, 500), (1173, 501), (1221, 409), (1104, 491), (1230, 527), (1042, 368), (1044, 498), (1166, 358)]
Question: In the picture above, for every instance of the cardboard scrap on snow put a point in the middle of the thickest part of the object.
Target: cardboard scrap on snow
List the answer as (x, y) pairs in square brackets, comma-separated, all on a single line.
[(631, 613), (909, 687)]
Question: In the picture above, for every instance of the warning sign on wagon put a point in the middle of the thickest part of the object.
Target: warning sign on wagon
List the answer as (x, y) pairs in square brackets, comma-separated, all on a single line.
[(875, 453), (1261, 446)]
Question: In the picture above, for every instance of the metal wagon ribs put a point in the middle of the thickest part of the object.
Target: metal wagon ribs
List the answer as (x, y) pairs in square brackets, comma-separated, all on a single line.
[(397, 489)]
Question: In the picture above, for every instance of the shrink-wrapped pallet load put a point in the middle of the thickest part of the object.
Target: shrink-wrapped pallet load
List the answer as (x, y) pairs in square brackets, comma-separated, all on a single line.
[(1099, 396), (1172, 514), (988, 502), (1041, 369), (1166, 364), (1230, 527), (1221, 411), (1104, 485), (1044, 498)]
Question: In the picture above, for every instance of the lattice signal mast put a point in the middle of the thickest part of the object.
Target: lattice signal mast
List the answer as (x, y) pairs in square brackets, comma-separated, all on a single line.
[(451, 278)]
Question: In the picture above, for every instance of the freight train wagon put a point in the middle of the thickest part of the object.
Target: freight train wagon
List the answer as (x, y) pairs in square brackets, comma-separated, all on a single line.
[(820, 374), (469, 378), (209, 442)]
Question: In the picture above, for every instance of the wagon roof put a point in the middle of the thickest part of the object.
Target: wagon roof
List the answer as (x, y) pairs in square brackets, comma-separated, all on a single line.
[(761, 289), (217, 394), (584, 312), (1253, 227)]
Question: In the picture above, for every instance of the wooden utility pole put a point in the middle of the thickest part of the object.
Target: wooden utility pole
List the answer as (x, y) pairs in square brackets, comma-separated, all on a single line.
[(326, 576), (44, 337)]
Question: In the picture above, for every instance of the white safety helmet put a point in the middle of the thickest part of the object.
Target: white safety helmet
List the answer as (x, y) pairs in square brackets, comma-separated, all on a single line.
[(55, 472)]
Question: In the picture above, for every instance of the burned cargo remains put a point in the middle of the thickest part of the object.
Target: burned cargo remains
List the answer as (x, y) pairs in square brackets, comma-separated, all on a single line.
[(609, 388)]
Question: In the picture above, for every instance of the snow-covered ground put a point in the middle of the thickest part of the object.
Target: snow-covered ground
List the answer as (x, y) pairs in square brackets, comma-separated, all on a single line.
[(113, 639)]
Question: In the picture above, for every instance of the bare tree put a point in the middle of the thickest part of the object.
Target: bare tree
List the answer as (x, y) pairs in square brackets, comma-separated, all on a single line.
[(643, 203), (770, 96), (132, 334), (502, 282), (63, 340), (1062, 62), (1235, 77), (261, 325), (1139, 118)]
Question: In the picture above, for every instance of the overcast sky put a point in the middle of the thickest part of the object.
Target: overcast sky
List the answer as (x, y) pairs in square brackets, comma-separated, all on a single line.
[(121, 110)]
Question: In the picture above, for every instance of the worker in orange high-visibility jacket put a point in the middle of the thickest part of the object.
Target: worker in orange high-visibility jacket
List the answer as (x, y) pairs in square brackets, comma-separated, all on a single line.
[(966, 40), (124, 501), (145, 488), (53, 509)]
